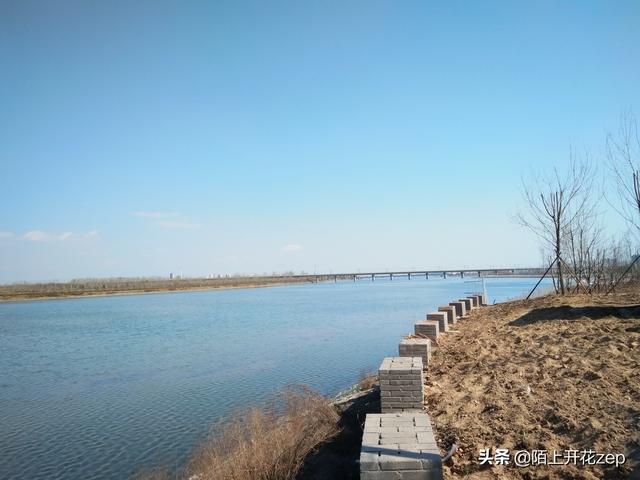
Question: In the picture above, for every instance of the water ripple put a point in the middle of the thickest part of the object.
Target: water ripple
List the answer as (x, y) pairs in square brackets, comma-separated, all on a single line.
[(98, 388)]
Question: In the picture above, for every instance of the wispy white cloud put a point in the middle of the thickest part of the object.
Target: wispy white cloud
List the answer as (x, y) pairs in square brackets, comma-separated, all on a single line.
[(40, 236), (155, 215), (35, 236), (292, 247), (178, 225), (4, 234)]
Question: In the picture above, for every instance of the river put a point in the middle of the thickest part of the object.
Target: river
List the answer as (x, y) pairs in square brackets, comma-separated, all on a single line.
[(97, 388)]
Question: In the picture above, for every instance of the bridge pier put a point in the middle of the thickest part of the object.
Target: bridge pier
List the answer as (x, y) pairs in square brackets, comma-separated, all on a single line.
[(372, 277), (426, 275), (444, 275), (409, 275), (391, 277), (461, 274)]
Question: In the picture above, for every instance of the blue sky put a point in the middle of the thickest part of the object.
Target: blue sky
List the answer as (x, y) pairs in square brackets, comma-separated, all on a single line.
[(142, 138)]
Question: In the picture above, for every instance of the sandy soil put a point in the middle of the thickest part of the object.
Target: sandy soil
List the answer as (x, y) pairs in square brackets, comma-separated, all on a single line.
[(548, 374)]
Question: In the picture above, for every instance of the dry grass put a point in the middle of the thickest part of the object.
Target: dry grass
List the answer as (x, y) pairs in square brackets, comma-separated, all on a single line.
[(267, 444), (367, 380)]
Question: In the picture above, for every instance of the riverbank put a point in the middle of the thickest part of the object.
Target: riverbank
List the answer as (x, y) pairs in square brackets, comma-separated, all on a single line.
[(111, 288), (551, 374), (21, 292)]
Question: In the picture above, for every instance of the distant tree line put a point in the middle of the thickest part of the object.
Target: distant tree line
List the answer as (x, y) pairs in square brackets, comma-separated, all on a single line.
[(105, 286)]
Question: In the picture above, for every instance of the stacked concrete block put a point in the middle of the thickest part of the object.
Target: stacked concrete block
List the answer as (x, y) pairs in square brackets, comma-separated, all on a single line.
[(452, 317), (441, 318), (401, 380), (399, 446), (483, 301), (416, 347), (467, 303), (427, 328), (461, 308)]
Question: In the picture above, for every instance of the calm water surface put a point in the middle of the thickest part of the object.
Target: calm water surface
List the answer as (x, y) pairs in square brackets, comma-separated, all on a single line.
[(100, 387)]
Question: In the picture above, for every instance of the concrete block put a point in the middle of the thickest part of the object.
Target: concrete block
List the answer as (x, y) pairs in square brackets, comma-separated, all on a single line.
[(441, 318), (400, 455), (416, 347), (452, 316), (461, 308), (397, 461), (369, 460), (428, 328), (474, 301), (467, 303), (404, 390)]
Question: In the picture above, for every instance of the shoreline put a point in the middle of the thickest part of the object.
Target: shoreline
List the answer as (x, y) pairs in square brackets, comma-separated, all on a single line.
[(126, 293), (24, 297)]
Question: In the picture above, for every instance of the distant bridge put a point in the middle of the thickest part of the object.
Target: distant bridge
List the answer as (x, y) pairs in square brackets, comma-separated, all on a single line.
[(460, 273)]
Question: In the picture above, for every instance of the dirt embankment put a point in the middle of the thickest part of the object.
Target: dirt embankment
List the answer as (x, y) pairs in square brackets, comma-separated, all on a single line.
[(547, 374)]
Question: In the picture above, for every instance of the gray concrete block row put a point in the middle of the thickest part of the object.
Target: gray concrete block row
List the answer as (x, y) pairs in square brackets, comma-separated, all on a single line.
[(437, 323), (399, 446), (402, 446)]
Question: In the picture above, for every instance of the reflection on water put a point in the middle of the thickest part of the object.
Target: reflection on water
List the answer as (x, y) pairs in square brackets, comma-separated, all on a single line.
[(99, 387)]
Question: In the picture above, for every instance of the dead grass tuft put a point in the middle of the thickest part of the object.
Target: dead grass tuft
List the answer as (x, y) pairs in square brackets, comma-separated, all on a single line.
[(367, 380), (267, 444)]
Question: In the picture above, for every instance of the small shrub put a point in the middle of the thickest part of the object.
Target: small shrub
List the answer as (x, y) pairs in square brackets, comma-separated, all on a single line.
[(367, 380), (267, 444)]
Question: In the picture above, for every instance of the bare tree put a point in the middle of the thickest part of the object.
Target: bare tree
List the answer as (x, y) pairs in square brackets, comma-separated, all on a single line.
[(583, 248), (623, 154), (554, 202)]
